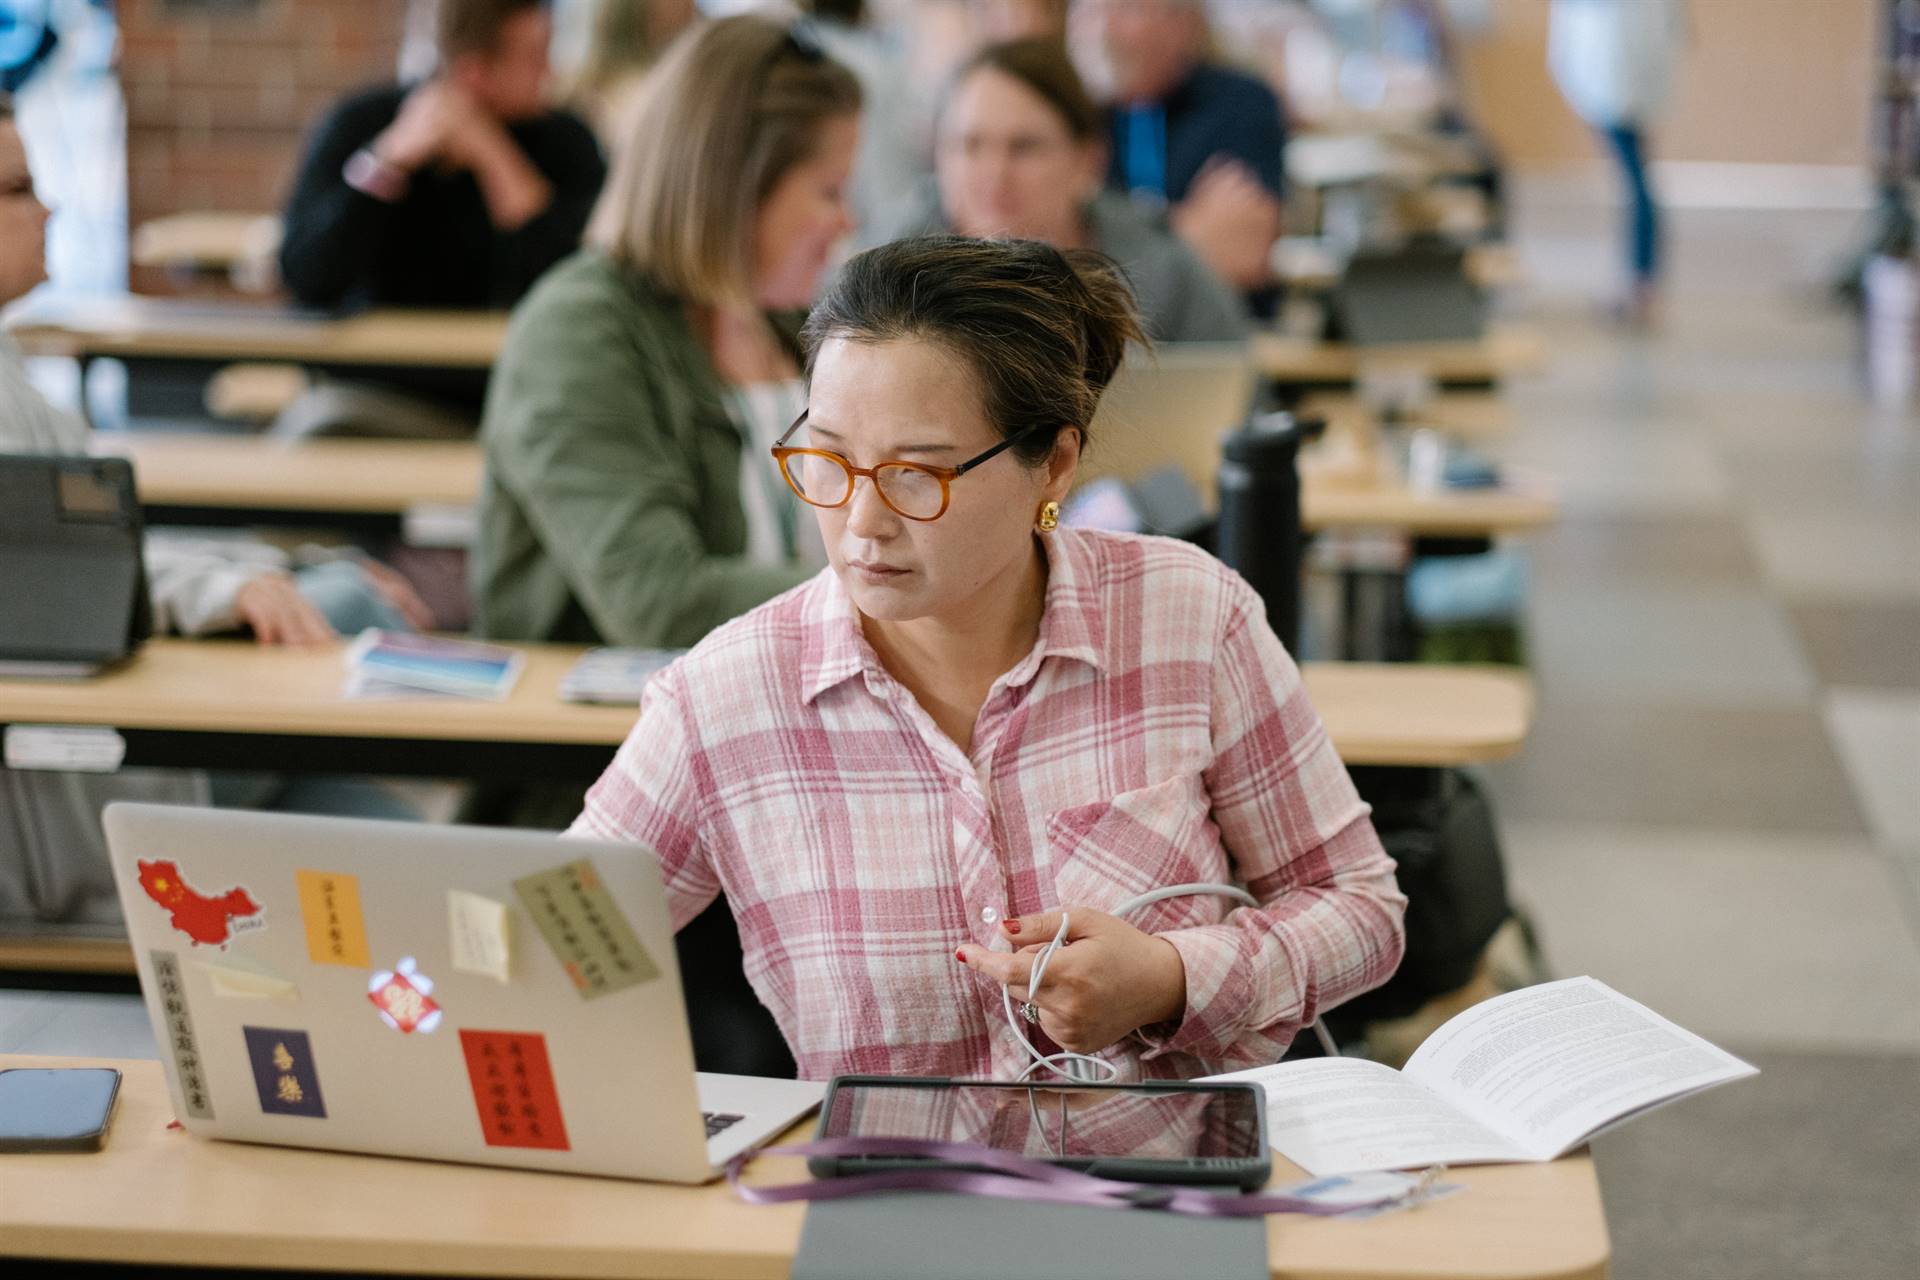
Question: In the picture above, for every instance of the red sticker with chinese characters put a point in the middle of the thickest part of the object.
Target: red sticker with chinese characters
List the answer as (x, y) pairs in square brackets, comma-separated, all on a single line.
[(404, 997), (513, 1089)]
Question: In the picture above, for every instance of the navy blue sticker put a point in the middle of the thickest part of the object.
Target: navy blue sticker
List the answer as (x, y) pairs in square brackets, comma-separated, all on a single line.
[(284, 1073)]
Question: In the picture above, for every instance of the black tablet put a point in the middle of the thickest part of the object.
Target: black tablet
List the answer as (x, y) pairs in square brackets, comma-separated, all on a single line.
[(1154, 1131)]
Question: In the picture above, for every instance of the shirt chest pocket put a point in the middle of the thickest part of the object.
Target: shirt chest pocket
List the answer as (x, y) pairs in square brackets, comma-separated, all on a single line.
[(1150, 838)]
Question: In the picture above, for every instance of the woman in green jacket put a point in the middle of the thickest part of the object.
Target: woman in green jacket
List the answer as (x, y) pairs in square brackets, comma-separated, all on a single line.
[(628, 499)]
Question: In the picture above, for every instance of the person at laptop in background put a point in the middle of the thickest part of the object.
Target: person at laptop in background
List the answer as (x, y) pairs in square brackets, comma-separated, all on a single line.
[(1022, 152), (198, 585), (625, 500), (1201, 142), (455, 192), (974, 720)]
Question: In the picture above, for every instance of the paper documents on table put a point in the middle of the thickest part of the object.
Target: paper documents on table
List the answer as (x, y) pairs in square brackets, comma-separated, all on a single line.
[(399, 664), (1526, 1076), (613, 675)]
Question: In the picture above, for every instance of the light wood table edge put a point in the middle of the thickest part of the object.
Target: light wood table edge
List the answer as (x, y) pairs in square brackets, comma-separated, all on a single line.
[(765, 1251), (1503, 352), (25, 952), (137, 330), (1500, 697), (383, 477), (534, 714), (1461, 513)]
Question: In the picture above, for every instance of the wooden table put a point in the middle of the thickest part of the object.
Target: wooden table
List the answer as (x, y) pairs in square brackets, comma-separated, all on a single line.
[(212, 479), (207, 333), (376, 483), (1502, 353), (229, 703), (1309, 263), (239, 245), (1511, 508), (1466, 415), (156, 1196)]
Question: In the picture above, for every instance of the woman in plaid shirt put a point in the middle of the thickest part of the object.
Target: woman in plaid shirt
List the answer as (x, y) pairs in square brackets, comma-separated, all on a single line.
[(973, 720)]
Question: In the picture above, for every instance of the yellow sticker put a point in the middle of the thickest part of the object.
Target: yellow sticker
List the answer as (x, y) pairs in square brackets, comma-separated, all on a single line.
[(479, 932), (336, 934)]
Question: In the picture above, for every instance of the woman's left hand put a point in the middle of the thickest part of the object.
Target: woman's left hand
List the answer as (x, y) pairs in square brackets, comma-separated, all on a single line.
[(1107, 980)]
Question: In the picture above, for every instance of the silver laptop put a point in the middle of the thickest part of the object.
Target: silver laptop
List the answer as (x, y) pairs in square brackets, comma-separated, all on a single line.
[(450, 993), (1170, 407)]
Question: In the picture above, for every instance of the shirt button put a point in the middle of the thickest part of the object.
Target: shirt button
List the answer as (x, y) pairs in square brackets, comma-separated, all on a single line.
[(989, 915)]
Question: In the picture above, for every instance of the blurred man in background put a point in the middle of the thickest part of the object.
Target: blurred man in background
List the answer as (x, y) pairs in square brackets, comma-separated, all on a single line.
[(1202, 140), (459, 191)]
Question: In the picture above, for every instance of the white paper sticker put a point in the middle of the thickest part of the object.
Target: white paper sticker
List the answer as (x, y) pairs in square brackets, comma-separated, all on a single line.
[(233, 983), (68, 748), (478, 929)]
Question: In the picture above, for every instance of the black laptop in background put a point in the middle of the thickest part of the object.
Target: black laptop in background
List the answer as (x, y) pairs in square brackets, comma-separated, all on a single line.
[(73, 591), (1417, 293)]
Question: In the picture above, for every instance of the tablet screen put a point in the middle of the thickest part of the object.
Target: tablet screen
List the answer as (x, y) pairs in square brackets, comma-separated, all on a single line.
[(1052, 1121)]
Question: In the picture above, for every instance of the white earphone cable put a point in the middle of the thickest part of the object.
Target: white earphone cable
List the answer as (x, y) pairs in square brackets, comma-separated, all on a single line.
[(1083, 1068)]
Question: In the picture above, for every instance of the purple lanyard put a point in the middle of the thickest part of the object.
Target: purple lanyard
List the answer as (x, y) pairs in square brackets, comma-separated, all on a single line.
[(1016, 1178)]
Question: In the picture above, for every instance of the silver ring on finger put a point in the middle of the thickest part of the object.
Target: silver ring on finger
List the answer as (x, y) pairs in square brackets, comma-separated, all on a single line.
[(1030, 1011)]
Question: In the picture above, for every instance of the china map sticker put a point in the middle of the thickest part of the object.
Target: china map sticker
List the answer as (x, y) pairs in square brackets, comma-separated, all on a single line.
[(209, 920)]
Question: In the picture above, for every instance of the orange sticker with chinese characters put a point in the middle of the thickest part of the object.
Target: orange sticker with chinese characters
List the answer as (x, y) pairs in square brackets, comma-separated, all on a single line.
[(330, 904)]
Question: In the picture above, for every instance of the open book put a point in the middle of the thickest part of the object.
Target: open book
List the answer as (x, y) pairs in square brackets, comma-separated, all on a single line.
[(1525, 1076)]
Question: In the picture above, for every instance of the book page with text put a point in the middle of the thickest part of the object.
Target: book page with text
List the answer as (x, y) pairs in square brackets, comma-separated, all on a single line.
[(1548, 1065), (1348, 1115)]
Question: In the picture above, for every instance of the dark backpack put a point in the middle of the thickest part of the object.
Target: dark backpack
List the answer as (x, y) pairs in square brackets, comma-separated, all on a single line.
[(1438, 828)]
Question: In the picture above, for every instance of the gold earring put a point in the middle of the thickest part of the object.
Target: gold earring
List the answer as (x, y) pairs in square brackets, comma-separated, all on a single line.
[(1049, 517)]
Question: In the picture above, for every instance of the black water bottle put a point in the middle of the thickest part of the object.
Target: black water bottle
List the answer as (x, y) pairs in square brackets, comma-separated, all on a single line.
[(1259, 530)]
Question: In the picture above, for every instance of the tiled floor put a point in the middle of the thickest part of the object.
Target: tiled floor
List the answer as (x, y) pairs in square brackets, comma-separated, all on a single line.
[(1720, 810), (1806, 1171)]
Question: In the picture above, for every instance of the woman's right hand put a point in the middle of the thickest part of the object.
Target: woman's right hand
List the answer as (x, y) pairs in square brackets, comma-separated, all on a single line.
[(272, 605)]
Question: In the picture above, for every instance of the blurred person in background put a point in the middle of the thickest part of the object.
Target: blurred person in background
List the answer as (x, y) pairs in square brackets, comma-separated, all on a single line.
[(53, 856), (904, 52), (626, 37), (1199, 140), (1614, 61), (1022, 153), (199, 585), (997, 21), (458, 191), (897, 150), (627, 497)]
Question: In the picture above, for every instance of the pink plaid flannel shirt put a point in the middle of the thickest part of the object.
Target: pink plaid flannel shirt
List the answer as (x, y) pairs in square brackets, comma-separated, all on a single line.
[(1156, 734)]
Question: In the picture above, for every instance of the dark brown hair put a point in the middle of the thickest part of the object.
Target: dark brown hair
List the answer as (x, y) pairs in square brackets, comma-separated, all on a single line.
[(1043, 66), (473, 26), (1043, 330)]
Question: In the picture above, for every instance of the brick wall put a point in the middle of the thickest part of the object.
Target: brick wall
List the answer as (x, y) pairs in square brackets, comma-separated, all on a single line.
[(220, 94)]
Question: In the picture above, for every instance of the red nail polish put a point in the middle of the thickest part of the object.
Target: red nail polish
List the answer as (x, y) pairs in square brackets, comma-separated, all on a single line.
[(1011, 926), (961, 956)]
